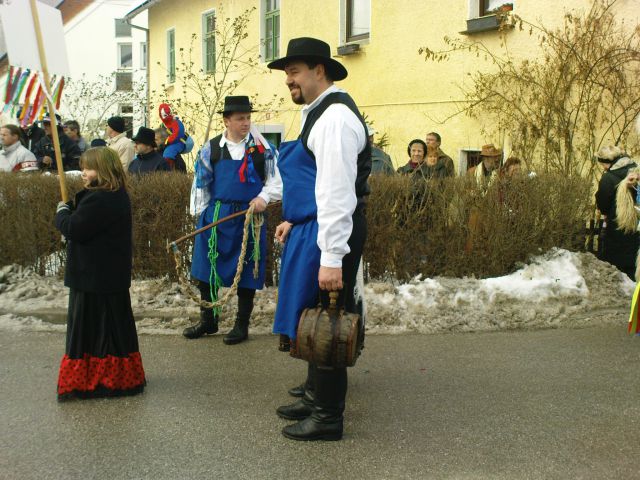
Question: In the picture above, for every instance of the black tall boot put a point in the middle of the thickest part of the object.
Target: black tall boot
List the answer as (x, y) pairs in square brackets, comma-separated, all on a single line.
[(298, 410), (208, 325), (326, 420), (308, 384), (240, 331)]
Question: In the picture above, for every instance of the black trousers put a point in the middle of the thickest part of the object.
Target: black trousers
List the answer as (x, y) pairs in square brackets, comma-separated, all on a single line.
[(245, 298), (329, 385)]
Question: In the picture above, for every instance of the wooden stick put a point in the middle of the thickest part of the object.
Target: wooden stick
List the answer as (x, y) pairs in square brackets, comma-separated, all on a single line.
[(54, 122), (174, 245)]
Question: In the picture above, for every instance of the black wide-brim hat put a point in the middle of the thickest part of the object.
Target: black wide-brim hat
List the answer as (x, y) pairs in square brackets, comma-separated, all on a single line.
[(145, 135), (237, 103), (307, 48)]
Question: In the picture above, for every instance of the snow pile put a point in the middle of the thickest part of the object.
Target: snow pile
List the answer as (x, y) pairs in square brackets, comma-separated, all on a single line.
[(557, 289)]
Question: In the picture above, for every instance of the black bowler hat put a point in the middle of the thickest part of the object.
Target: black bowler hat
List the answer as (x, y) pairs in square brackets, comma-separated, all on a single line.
[(306, 48), (238, 103), (116, 124), (145, 135)]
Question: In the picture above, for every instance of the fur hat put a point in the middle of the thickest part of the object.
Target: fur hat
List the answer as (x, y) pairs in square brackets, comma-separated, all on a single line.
[(610, 154)]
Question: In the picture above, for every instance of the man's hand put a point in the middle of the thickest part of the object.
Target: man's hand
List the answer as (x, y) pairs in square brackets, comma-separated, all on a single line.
[(47, 160), (259, 205), (330, 278), (282, 231)]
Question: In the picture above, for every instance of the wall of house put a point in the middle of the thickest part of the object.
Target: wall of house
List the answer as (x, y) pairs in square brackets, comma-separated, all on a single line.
[(404, 96)]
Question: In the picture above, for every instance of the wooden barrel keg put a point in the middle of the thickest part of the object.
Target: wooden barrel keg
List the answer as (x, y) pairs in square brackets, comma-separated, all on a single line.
[(328, 337)]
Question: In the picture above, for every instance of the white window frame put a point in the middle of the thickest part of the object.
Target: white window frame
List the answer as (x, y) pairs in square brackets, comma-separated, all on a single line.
[(271, 128), (169, 31), (263, 31), (120, 45), (343, 26), (203, 21), (463, 159), (143, 55)]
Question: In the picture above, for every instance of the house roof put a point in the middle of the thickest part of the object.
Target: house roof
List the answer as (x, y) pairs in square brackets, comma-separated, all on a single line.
[(146, 5)]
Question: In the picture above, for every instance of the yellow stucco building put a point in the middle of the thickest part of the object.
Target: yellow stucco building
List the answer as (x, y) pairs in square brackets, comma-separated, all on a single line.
[(404, 96)]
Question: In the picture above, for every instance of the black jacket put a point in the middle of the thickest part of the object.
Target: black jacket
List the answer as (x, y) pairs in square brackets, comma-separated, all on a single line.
[(99, 241), (148, 163), (619, 248), (68, 149)]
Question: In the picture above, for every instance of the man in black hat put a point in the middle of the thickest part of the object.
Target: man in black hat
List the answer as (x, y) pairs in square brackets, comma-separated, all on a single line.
[(117, 139), (147, 159), (45, 153), (324, 174), (234, 170)]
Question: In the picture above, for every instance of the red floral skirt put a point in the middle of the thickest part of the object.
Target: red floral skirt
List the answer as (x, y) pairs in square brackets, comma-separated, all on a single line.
[(101, 355)]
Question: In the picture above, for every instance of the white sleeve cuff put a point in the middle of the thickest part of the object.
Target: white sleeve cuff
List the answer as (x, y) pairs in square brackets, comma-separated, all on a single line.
[(265, 196), (331, 260)]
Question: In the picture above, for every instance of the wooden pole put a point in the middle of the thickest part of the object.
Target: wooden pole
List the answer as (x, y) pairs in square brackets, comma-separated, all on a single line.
[(47, 85)]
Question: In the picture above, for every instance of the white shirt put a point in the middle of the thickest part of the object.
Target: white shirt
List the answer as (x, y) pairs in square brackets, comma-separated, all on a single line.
[(272, 189), (335, 140)]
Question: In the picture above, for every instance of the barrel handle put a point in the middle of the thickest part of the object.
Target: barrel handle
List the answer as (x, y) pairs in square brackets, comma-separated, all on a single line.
[(333, 300)]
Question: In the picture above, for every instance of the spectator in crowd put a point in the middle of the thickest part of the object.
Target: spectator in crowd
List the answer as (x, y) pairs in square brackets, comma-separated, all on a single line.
[(435, 166), (486, 171), (161, 136), (98, 142), (102, 358), (380, 160), (72, 130), (45, 153), (14, 157), (117, 139), (619, 248), (417, 151), (511, 168), (434, 140), (147, 159), (31, 135)]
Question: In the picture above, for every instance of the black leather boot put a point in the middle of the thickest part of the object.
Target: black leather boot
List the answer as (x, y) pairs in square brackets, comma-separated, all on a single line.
[(309, 383), (240, 331), (299, 409), (326, 420), (208, 325)]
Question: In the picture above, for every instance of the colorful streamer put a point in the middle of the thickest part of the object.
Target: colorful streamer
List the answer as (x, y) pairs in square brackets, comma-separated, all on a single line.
[(27, 97), (634, 324), (7, 91)]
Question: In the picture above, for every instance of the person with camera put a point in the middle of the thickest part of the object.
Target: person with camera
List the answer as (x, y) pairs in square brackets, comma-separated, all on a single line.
[(45, 153), (324, 174)]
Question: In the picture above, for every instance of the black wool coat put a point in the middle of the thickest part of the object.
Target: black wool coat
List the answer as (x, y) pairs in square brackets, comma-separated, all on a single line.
[(99, 241), (148, 163), (619, 248)]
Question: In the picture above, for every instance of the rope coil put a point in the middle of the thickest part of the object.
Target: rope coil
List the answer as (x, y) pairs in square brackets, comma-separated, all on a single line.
[(252, 225)]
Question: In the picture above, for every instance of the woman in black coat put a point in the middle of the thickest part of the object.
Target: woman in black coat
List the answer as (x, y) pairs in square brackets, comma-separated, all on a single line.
[(618, 248), (101, 356)]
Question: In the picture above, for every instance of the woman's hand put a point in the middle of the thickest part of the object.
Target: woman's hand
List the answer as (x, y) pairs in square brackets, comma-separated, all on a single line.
[(282, 231), (632, 179)]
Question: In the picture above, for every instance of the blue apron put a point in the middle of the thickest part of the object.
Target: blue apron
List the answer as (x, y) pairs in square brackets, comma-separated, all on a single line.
[(234, 197), (298, 283)]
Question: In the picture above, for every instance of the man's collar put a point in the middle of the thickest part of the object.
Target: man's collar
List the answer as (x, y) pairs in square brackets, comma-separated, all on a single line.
[(315, 103), (224, 140)]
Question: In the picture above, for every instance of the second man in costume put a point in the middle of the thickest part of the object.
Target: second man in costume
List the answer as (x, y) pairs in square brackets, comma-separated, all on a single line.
[(234, 170)]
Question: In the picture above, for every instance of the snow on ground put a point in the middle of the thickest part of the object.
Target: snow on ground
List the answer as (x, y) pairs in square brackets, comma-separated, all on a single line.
[(557, 289)]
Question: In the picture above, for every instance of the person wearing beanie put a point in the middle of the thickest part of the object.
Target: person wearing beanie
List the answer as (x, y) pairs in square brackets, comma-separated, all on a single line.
[(147, 159), (117, 139)]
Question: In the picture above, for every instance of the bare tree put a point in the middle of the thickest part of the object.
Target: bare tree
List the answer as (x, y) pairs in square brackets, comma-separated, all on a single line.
[(582, 91), (198, 94), (91, 101)]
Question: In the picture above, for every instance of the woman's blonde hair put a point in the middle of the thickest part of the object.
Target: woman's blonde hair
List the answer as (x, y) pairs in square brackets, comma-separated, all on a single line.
[(106, 162), (626, 213)]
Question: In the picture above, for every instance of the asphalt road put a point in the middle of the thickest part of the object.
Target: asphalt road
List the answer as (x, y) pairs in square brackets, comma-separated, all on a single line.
[(548, 404)]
